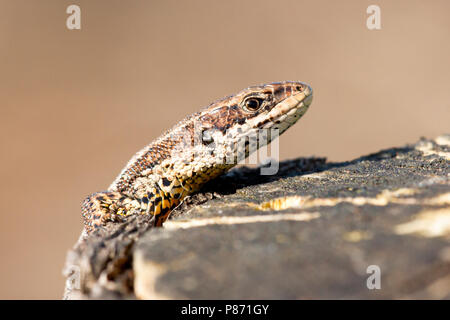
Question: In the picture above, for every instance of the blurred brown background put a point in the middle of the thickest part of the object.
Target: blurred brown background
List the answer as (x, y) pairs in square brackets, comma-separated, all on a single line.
[(76, 104)]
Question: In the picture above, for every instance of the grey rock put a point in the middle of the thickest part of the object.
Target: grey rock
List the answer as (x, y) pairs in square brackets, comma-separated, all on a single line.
[(315, 230)]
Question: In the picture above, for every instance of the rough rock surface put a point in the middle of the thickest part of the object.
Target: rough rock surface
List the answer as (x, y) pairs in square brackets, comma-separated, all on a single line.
[(315, 230)]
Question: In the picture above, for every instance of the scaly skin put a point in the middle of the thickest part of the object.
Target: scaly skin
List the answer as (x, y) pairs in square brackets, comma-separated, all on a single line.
[(196, 150)]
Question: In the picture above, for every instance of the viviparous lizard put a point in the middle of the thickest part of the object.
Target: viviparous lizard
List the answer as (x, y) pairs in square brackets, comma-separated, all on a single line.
[(196, 150)]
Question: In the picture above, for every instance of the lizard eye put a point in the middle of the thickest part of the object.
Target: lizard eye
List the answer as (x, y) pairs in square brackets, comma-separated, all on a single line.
[(253, 104)]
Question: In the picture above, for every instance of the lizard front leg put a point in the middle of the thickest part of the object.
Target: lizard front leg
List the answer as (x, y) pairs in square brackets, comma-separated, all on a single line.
[(102, 207), (163, 206)]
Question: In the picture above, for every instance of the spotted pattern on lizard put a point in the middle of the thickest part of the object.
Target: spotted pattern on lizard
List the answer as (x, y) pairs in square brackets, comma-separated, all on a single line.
[(195, 151)]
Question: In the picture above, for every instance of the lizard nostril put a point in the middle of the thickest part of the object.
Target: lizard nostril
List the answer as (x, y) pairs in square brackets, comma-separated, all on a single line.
[(299, 88)]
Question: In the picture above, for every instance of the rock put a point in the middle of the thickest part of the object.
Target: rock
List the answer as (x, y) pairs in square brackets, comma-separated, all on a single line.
[(315, 230)]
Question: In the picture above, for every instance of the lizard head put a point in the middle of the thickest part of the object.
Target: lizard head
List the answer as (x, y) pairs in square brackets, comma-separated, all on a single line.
[(276, 105), (271, 106), (227, 122)]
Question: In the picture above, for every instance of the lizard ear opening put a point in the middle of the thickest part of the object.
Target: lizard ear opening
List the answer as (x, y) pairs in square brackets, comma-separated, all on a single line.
[(207, 137)]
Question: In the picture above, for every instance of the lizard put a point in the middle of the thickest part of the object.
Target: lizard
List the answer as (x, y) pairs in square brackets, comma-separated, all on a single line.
[(196, 150)]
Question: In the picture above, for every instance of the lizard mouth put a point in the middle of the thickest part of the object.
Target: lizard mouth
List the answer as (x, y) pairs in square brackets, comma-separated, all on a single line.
[(288, 111)]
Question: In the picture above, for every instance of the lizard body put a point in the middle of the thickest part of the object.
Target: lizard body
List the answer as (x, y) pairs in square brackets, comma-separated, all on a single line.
[(196, 150)]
